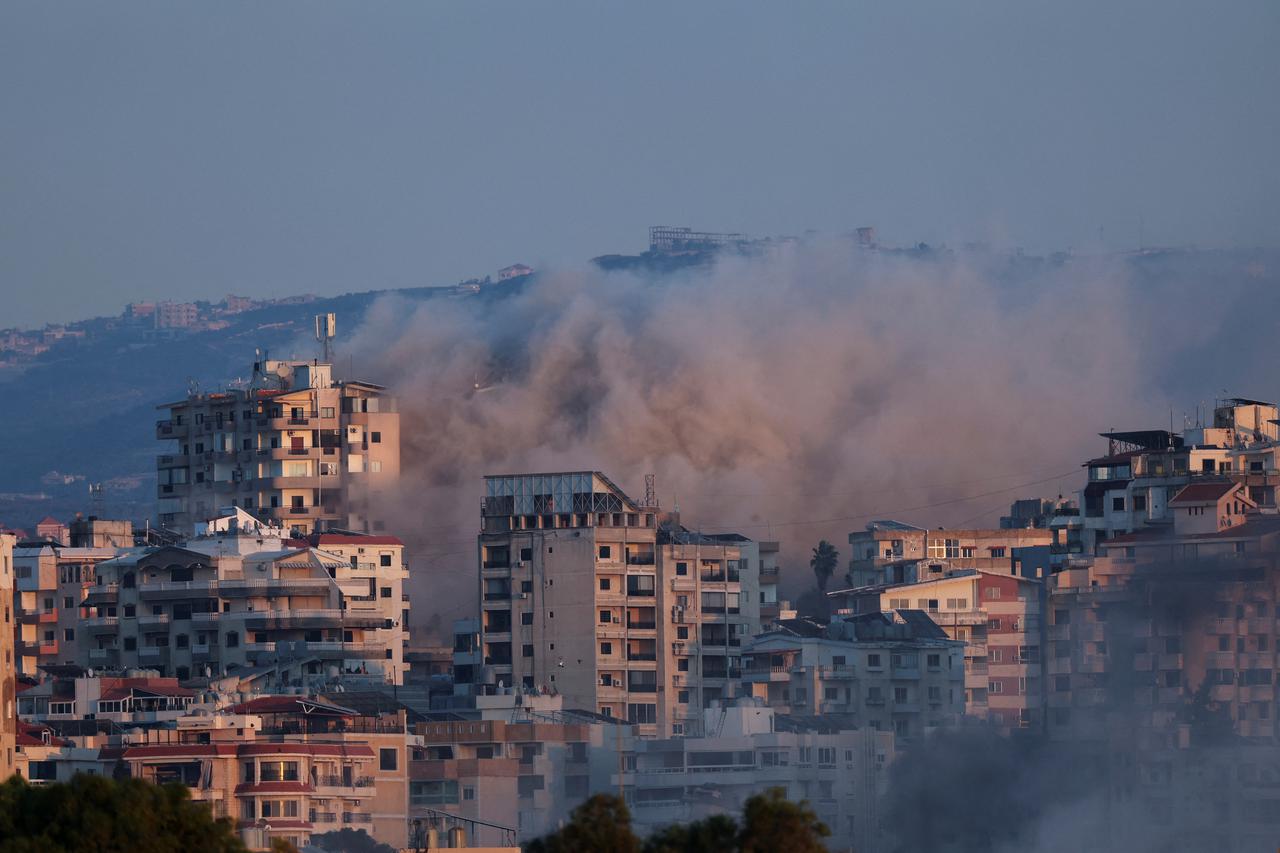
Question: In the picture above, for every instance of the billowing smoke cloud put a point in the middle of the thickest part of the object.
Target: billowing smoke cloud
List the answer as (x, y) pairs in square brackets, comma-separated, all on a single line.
[(792, 396)]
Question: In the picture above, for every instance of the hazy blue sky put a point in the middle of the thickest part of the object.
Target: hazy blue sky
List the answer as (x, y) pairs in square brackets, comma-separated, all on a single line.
[(180, 150)]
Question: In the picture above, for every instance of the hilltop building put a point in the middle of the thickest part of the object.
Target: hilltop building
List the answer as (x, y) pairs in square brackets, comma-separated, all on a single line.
[(297, 447), (50, 584)]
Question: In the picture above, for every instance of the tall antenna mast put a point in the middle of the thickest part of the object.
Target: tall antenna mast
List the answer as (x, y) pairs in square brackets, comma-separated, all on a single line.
[(326, 330)]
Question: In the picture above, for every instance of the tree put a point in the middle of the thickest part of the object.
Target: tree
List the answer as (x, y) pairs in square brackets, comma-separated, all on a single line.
[(349, 841), (716, 833), (773, 824), (824, 562), (601, 823), (109, 816)]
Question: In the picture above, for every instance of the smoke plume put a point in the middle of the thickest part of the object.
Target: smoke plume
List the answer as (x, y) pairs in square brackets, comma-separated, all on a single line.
[(791, 396)]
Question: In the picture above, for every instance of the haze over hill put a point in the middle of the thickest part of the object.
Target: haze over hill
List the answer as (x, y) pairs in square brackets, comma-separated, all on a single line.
[(812, 382)]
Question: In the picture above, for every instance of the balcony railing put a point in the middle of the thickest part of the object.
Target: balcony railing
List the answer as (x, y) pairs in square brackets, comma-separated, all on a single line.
[(344, 782), (642, 624)]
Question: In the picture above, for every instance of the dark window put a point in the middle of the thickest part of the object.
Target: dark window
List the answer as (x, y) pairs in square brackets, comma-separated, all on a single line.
[(130, 644), (387, 759), (526, 618), (384, 559), (375, 437), (526, 650), (233, 639)]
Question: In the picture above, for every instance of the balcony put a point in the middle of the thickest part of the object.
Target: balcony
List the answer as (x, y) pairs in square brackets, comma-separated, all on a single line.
[(357, 817), (641, 624), (762, 674), (642, 656), (153, 654), (175, 589), (357, 786), (103, 656), (154, 620), (101, 624), (170, 429), (302, 619), (271, 587)]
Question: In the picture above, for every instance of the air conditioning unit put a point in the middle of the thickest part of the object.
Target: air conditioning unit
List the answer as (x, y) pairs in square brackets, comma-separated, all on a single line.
[(522, 595), (519, 564)]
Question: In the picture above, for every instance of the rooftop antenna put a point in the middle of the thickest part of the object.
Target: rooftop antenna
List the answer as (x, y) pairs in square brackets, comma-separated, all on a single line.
[(326, 330), (650, 491)]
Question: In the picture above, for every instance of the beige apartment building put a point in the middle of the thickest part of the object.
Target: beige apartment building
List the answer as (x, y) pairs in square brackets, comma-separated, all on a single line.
[(515, 767), (8, 662), (243, 596), (287, 767), (891, 552), (297, 447), (592, 595), (51, 582)]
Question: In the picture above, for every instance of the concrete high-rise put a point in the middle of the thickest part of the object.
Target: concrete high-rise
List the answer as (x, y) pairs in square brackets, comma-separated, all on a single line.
[(593, 595), (297, 447)]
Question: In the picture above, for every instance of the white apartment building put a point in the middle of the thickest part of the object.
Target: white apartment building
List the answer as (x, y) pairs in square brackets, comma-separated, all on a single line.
[(244, 597)]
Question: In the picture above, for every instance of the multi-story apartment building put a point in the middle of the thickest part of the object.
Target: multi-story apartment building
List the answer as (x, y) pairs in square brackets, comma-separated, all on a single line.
[(242, 597), (513, 766), (50, 585), (998, 617), (1129, 488), (593, 595), (746, 749), (893, 672), (1170, 624), (297, 447), (8, 662), (890, 552)]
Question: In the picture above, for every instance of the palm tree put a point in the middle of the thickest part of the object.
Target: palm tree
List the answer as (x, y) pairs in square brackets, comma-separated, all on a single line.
[(824, 562)]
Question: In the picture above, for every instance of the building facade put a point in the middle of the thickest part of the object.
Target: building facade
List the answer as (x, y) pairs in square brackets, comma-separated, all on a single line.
[(895, 672), (245, 598), (590, 594), (8, 662), (297, 447)]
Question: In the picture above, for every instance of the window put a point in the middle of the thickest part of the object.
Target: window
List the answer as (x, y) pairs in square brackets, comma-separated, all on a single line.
[(997, 553), (682, 632), (605, 617), (526, 651), (606, 552), (375, 437), (384, 560), (1139, 503), (873, 661), (682, 569), (375, 466), (604, 584), (233, 639), (326, 411), (278, 771), (606, 648), (387, 759), (69, 634), (1117, 504), (526, 618)]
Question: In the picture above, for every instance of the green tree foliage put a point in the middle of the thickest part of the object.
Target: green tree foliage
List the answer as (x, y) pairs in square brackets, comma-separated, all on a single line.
[(719, 832), (770, 824), (106, 816), (824, 562), (601, 823), (349, 841)]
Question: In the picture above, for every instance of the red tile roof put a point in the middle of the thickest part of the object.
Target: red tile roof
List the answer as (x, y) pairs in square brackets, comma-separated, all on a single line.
[(1200, 493)]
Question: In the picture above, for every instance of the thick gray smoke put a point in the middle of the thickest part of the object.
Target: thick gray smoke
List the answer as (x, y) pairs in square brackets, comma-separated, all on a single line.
[(792, 396)]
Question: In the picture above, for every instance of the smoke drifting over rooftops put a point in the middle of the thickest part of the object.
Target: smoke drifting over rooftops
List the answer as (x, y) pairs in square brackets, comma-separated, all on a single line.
[(814, 384)]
